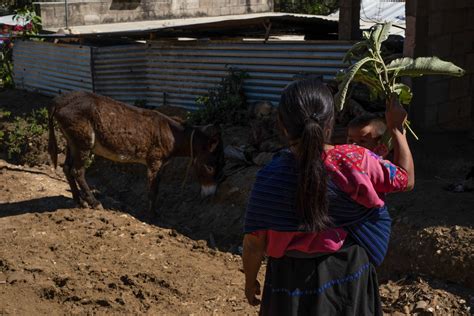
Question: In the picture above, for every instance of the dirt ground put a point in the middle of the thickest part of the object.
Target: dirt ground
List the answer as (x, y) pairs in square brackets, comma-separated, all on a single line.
[(57, 259)]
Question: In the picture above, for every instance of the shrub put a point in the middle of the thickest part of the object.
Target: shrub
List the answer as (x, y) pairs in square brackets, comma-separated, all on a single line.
[(27, 137), (224, 104)]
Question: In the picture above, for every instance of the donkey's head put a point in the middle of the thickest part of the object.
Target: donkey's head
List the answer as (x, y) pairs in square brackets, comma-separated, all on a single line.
[(209, 158)]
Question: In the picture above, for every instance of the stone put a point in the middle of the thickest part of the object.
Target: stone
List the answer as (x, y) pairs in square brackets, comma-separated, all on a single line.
[(18, 276), (263, 158), (406, 309), (91, 19), (420, 306)]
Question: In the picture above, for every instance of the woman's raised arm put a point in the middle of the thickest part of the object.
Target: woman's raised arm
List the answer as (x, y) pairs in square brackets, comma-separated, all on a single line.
[(396, 116)]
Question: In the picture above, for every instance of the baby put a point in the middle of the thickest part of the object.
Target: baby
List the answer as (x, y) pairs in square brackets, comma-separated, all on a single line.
[(366, 131)]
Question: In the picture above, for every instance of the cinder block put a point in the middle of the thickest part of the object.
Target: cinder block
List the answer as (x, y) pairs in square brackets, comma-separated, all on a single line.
[(463, 4), (469, 23), (440, 46), (205, 4), (438, 5), (437, 93), (238, 10), (214, 11), (435, 26), (459, 60), (192, 4), (462, 42), (455, 114), (455, 21), (162, 8), (459, 87), (225, 10), (470, 62), (430, 117), (91, 19), (108, 18), (104, 8)]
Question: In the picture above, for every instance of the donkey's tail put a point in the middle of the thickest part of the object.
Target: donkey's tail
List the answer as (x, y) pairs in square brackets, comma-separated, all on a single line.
[(52, 143)]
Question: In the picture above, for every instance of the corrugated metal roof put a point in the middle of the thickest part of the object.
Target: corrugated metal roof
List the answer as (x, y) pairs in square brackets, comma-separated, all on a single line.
[(382, 11), (157, 25), (379, 11), (9, 20)]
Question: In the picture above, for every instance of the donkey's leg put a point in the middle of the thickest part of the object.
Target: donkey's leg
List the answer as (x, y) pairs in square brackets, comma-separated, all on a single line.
[(153, 184), (67, 169), (79, 172)]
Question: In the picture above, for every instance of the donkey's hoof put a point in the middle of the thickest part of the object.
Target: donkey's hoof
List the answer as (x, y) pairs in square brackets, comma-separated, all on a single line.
[(81, 203), (97, 206)]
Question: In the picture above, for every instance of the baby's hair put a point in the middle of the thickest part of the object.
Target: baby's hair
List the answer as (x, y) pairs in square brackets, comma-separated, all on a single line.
[(369, 119)]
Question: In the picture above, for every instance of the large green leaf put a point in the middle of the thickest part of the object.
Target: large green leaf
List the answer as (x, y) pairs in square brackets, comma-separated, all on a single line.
[(371, 80), (355, 51), (340, 97), (404, 93), (379, 34), (424, 66)]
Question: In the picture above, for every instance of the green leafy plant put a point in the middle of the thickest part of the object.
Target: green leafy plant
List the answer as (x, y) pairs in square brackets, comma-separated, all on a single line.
[(382, 77), (29, 24), (224, 104), (320, 7), (28, 17), (26, 131), (141, 103), (4, 114)]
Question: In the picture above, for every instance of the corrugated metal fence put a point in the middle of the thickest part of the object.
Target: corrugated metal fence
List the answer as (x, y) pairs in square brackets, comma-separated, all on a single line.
[(177, 72), (120, 72), (185, 70), (52, 68)]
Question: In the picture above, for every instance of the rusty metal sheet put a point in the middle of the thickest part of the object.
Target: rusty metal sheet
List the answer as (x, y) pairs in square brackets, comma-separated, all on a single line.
[(50, 68)]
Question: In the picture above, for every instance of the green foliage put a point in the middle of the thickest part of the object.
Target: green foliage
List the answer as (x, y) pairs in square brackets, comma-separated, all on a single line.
[(371, 70), (26, 131), (4, 114), (223, 104), (28, 16), (141, 103), (6, 66), (319, 7), (383, 80)]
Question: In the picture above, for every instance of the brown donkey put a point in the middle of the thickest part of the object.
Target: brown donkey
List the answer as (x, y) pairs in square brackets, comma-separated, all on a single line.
[(123, 133)]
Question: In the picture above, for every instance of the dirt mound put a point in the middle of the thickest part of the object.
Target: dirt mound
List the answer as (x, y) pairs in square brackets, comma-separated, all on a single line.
[(54, 257), (432, 233)]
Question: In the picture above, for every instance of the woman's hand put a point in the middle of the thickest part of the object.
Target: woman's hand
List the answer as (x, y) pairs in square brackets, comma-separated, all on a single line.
[(254, 250), (395, 114), (252, 290)]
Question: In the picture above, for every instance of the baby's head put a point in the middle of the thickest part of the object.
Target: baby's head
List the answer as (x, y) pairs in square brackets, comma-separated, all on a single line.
[(366, 131)]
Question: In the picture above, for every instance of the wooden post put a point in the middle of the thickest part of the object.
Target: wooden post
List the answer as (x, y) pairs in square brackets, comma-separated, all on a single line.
[(349, 17)]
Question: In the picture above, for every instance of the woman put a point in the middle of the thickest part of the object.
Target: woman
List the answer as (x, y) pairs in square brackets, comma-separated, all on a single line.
[(318, 212)]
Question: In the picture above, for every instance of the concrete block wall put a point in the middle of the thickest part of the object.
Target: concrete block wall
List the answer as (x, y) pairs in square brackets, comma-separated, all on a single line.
[(444, 29), (89, 12)]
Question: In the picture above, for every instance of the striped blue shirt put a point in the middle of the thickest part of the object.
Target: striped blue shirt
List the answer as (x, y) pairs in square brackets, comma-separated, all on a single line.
[(272, 207)]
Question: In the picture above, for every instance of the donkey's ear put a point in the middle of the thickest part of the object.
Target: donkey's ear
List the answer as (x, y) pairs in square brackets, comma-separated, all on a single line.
[(211, 130), (213, 143), (214, 133)]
